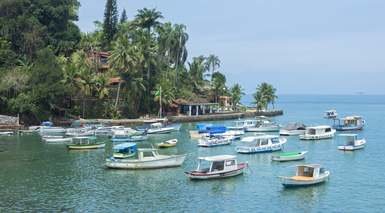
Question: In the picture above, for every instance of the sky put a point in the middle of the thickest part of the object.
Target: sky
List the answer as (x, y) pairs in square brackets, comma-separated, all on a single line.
[(299, 46)]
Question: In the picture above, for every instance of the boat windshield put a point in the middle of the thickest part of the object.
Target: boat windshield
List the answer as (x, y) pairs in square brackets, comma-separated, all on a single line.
[(217, 166)]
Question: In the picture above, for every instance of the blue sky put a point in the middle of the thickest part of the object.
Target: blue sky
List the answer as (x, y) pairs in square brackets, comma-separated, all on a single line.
[(300, 46)]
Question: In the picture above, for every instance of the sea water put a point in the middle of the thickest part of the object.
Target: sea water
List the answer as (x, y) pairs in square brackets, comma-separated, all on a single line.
[(40, 177)]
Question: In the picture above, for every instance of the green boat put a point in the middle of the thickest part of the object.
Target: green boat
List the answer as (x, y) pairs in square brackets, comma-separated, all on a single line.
[(85, 143), (289, 156)]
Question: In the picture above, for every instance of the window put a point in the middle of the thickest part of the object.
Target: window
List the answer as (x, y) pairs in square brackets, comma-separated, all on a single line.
[(264, 142), (217, 166), (328, 130), (230, 163), (275, 140)]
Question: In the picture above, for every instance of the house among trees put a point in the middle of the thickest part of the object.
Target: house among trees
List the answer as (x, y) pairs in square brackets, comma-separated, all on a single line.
[(100, 58)]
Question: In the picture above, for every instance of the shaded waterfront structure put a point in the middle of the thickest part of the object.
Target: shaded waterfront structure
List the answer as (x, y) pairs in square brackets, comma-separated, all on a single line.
[(195, 107)]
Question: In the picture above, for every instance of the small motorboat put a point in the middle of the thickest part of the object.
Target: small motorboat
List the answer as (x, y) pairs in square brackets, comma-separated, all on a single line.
[(351, 142), (330, 114), (158, 128), (292, 129), (85, 143), (169, 143), (306, 175), (242, 124), (6, 133), (289, 156), (220, 166), (146, 159), (263, 124), (215, 141), (318, 133), (52, 140), (124, 150), (349, 123), (260, 143)]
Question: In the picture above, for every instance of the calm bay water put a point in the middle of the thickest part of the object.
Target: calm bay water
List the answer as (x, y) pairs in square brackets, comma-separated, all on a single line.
[(40, 177)]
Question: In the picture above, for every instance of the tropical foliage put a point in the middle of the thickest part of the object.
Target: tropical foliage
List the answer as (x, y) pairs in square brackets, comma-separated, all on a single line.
[(264, 95), (49, 68)]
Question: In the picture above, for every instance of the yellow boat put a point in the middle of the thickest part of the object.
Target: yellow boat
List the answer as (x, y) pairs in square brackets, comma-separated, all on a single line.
[(167, 144)]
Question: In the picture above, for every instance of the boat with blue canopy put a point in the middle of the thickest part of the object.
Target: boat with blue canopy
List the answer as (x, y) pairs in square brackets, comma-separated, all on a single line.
[(124, 150)]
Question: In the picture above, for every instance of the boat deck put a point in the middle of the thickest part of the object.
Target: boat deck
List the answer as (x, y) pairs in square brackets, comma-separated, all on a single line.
[(303, 178)]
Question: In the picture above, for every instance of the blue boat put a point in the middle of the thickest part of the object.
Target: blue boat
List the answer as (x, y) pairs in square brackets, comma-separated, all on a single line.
[(124, 150), (126, 138), (211, 129), (349, 123)]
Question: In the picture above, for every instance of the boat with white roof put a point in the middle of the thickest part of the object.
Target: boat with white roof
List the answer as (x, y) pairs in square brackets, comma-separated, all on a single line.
[(219, 166), (260, 143), (306, 175), (318, 133), (351, 142), (349, 123)]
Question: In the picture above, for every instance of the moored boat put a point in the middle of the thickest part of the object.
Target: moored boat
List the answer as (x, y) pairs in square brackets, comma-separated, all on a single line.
[(85, 143), (168, 143), (158, 128), (330, 114), (318, 133), (220, 166), (215, 141), (351, 142), (292, 129), (124, 150), (8, 133), (263, 124), (289, 156), (242, 124), (51, 140), (349, 123), (150, 160), (260, 143), (306, 175)]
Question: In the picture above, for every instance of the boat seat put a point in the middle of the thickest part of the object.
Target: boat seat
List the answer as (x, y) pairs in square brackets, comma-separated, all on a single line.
[(302, 178)]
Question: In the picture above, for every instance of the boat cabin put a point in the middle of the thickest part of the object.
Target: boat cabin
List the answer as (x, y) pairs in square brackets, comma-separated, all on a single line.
[(317, 130), (83, 140), (156, 125), (147, 153), (350, 121), (308, 171), (128, 149), (331, 113), (218, 163), (261, 140), (294, 126), (349, 139)]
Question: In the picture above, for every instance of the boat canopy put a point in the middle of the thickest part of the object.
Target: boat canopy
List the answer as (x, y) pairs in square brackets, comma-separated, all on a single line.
[(218, 158), (212, 129), (124, 145), (256, 137), (47, 123)]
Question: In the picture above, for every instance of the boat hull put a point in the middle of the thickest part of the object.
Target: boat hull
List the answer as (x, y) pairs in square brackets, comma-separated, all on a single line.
[(262, 129), (281, 158), (252, 150), (160, 131), (317, 137), (285, 132), (81, 147), (194, 175), (57, 140), (165, 161), (290, 182)]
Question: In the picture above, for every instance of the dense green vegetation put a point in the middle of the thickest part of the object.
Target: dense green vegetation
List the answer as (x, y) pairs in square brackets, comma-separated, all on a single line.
[(264, 95), (49, 68)]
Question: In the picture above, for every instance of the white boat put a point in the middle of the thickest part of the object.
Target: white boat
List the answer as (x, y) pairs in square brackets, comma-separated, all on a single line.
[(57, 140), (351, 142), (215, 141), (220, 166), (306, 175), (158, 128), (150, 160), (330, 114), (349, 123), (289, 156), (260, 143), (168, 143), (103, 131), (46, 130), (318, 133), (6, 133), (242, 124), (263, 124), (292, 129), (79, 132)]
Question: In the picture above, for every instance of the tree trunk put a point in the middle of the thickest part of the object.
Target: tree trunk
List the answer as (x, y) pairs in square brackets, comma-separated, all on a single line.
[(117, 96)]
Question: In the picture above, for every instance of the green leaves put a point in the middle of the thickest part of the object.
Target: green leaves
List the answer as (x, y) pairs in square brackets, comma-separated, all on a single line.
[(264, 95)]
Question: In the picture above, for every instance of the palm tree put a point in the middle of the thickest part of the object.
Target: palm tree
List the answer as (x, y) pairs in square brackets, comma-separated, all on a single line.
[(212, 64), (196, 71), (265, 94), (236, 95), (218, 85), (148, 18), (101, 86)]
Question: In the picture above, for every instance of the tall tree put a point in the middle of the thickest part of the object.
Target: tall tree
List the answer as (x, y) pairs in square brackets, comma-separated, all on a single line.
[(110, 23), (218, 85), (148, 18), (236, 95), (212, 64), (265, 94), (123, 17)]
